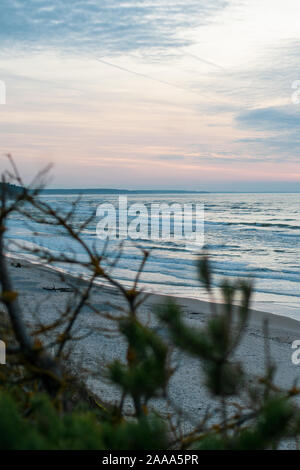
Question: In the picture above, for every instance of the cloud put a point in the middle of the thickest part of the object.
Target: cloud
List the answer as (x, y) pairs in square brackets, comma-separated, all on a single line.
[(269, 119), (280, 128), (280, 147), (170, 157), (107, 25)]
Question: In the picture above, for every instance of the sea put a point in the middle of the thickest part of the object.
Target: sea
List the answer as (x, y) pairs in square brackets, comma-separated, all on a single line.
[(246, 236)]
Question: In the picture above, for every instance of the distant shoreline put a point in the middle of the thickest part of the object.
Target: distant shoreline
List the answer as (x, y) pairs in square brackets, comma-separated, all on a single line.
[(118, 191), (150, 191)]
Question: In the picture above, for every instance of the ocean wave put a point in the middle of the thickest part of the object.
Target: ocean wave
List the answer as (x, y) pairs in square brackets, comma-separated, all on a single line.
[(246, 236), (254, 224)]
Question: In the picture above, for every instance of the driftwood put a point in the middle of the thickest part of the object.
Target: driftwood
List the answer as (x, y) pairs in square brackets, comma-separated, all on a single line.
[(59, 289)]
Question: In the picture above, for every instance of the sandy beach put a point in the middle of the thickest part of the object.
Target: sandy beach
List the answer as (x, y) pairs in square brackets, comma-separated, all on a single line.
[(98, 348)]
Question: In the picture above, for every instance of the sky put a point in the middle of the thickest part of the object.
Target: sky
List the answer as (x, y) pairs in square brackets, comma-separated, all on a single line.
[(153, 94)]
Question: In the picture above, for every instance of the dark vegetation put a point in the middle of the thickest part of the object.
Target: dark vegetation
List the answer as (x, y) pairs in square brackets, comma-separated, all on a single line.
[(10, 189)]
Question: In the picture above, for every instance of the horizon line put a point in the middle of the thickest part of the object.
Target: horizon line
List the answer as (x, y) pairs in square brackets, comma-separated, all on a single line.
[(160, 191)]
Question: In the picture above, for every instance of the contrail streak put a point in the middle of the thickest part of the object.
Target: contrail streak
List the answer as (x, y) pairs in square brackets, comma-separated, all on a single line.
[(139, 74), (207, 62)]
